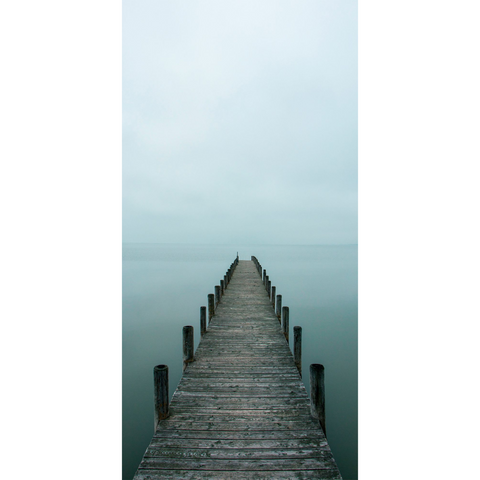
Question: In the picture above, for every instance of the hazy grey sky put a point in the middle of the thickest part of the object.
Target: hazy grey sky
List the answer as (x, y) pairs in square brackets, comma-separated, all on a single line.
[(240, 121)]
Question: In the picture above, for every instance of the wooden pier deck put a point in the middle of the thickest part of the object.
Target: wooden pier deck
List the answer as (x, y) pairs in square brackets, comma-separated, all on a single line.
[(241, 410)]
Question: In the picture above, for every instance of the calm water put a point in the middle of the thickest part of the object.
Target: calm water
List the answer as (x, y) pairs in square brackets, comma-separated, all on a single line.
[(163, 289)]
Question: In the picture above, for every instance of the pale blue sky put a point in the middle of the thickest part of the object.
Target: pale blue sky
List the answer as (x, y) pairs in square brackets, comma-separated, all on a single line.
[(240, 122)]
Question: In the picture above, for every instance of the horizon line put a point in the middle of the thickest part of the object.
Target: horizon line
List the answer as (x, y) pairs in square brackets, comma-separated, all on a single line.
[(246, 244)]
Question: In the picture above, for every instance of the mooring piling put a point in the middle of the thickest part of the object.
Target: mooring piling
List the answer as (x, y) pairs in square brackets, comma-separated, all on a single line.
[(285, 321), (297, 348), (317, 393), (279, 307), (203, 320), (211, 306), (160, 382), (187, 346)]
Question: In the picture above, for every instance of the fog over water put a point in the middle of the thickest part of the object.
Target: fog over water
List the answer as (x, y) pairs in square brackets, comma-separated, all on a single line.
[(240, 122), (163, 289)]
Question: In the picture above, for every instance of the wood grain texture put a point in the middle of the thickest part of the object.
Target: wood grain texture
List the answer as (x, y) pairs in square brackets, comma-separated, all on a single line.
[(241, 410)]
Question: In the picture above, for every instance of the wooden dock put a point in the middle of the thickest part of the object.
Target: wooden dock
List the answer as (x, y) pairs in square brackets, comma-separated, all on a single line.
[(241, 410)]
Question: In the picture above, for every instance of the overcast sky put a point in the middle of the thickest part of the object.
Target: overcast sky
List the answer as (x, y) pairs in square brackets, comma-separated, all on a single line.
[(240, 121)]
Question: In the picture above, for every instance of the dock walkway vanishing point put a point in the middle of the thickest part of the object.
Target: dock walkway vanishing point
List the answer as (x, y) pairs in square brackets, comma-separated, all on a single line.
[(241, 410)]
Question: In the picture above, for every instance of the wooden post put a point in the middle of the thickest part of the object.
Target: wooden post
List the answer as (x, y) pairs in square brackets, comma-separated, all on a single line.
[(317, 394), (225, 281), (160, 394), (297, 348), (222, 287), (217, 295), (203, 320), (272, 297), (279, 307), (257, 265), (187, 346), (285, 325), (211, 306), (269, 288), (264, 276)]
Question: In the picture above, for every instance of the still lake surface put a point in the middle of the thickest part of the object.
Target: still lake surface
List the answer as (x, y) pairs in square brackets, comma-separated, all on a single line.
[(163, 289)]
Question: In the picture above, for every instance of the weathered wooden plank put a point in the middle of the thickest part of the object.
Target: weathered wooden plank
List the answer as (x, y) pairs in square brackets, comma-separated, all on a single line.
[(278, 412), (238, 427), (221, 346), (216, 453), (214, 383), (235, 370), (267, 357), (223, 406), (182, 474), (245, 376), (225, 345), (246, 361), (195, 385), (240, 402), (159, 442), (181, 448), (241, 417), (196, 393), (265, 423), (277, 464), (246, 393), (240, 435)]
